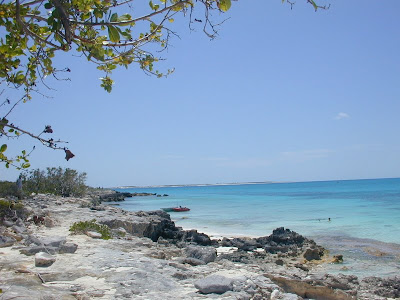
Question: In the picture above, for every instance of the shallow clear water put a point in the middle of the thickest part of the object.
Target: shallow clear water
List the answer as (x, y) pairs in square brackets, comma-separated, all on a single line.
[(357, 208), (364, 215)]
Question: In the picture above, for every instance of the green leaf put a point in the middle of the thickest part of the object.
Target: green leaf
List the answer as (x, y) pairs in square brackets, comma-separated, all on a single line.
[(3, 148), (224, 5), (48, 5), (114, 34), (114, 17)]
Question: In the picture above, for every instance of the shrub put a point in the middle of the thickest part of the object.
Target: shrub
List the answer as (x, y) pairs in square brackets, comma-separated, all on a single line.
[(57, 181), (8, 188), (10, 208), (84, 226)]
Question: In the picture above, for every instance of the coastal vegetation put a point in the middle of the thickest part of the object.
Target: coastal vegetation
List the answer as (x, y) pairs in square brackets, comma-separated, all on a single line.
[(85, 226), (110, 34), (57, 181)]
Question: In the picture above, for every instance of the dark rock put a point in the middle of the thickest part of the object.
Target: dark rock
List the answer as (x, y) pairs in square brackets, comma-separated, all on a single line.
[(68, 248), (302, 267), (279, 262), (206, 254), (36, 249), (196, 237), (192, 261), (214, 284), (245, 244), (312, 254), (181, 275), (115, 197), (165, 195), (337, 259), (6, 241)]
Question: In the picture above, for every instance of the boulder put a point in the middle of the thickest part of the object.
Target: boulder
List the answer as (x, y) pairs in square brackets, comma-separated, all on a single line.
[(206, 254), (312, 254), (43, 259), (68, 248), (214, 284)]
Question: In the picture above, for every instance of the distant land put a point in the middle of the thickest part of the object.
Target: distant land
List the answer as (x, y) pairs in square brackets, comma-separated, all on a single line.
[(197, 184), (238, 183)]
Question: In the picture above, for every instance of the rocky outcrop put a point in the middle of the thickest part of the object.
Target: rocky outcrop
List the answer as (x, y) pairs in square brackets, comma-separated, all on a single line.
[(308, 290), (383, 287), (283, 242), (118, 196), (156, 224)]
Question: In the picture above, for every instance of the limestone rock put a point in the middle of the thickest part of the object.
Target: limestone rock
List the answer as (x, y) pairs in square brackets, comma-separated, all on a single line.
[(93, 234), (214, 284), (206, 254), (43, 259)]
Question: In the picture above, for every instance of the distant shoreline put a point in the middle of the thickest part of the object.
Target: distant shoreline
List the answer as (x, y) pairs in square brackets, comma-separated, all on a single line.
[(238, 183)]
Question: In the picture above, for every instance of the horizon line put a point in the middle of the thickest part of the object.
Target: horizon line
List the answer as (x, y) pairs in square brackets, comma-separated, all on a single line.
[(241, 183)]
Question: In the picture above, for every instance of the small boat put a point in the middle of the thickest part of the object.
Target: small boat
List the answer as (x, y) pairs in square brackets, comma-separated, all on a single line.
[(180, 208)]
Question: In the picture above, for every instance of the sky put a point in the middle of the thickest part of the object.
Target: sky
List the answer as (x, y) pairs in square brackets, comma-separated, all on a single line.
[(280, 95)]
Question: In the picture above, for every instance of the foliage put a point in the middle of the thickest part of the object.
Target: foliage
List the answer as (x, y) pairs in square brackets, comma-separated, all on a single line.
[(57, 181), (109, 33), (10, 208), (84, 226), (8, 188)]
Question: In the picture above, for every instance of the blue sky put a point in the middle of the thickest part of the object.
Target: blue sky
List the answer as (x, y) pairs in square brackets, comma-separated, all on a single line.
[(280, 95)]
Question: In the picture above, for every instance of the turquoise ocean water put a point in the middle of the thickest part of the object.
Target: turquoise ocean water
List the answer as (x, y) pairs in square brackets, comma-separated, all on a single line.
[(364, 214)]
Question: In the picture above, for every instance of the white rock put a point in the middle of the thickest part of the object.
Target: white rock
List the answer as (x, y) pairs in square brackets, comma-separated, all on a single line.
[(93, 234), (43, 259)]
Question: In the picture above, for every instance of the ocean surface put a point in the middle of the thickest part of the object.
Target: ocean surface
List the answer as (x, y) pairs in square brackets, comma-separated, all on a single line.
[(357, 218)]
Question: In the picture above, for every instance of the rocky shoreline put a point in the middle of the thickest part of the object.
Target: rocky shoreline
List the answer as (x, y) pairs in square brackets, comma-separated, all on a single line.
[(149, 257)]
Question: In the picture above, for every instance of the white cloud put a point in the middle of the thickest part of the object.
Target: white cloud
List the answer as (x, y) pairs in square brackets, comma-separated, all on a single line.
[(342, 115)]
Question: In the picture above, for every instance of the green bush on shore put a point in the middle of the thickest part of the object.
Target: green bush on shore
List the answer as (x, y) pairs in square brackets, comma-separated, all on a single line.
[(10, 208), (84, 226), (56, 181)]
